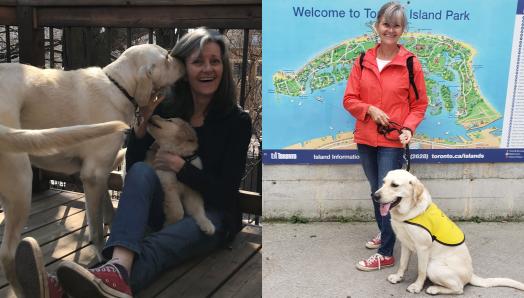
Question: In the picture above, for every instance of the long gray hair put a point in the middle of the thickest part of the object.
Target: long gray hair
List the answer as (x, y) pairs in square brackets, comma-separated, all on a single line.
[(224, 98)]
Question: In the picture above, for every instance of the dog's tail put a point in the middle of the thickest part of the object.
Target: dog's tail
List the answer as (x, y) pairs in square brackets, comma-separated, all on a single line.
[(53, 140), (496, 282)]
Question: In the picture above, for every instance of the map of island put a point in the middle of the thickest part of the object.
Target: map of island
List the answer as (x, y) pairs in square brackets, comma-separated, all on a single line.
[(450, 82)]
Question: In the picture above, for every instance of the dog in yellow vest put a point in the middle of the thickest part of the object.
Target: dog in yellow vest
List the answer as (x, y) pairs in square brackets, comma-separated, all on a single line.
[(439, 243)]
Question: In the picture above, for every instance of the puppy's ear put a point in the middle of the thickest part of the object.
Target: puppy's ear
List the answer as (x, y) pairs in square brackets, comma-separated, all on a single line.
[(418, 189), (144, 87), (187, 138)]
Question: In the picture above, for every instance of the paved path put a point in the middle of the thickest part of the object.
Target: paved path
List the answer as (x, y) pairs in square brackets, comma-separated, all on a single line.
[(318, 260)]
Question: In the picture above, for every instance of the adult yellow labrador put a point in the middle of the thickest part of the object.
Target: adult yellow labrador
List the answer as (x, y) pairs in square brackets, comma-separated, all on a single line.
[(439, 244), (175, 135), (35, 105)]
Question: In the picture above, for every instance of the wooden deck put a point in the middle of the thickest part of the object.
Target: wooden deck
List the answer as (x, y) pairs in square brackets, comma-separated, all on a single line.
[(58, 221)]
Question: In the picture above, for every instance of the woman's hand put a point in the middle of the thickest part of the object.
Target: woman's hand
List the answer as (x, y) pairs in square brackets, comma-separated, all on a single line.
[(405, 136), (378, 116), (144, 113), (166, 161)]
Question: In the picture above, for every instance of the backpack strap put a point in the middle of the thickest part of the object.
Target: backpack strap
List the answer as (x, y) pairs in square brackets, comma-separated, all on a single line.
[(361, 60), (409, 65)]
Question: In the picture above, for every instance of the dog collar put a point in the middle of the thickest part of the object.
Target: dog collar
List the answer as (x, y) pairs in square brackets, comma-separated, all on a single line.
[(131, 98), (190, 158)]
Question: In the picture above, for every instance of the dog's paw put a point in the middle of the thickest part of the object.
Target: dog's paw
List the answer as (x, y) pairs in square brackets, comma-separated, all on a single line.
[(414, 288), (432, 290), (395, 278), (208, 228)]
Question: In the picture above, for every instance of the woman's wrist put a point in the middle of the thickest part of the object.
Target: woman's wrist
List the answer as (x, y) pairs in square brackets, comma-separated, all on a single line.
[(140, 127)]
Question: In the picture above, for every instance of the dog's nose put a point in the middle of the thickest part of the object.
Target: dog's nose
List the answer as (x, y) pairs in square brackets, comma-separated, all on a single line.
[(375, 196)]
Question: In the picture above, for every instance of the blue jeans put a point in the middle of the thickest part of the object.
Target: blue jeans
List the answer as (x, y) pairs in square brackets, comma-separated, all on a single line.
[(377, 162), (138, 226)]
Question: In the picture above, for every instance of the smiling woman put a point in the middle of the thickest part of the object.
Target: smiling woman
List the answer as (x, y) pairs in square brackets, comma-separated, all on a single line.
[(379, 96), (206, 99), (204, 70)]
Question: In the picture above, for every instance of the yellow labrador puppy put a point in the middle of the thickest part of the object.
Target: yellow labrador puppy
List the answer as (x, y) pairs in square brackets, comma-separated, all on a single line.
[(177, 136), (34, 101), (422, 228)]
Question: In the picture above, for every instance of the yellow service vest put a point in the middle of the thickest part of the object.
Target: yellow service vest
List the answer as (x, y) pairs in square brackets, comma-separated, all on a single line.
[(439, 226)]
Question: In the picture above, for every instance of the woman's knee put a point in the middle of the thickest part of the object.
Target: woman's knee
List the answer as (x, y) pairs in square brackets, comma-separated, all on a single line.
[(141, 171), (142, 178)]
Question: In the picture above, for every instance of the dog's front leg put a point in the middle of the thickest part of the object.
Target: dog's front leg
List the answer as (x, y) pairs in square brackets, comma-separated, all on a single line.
[(405, 254), (109, 211), (423, 259)]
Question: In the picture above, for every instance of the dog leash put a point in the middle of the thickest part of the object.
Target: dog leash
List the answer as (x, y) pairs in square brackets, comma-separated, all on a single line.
[(395, 127)]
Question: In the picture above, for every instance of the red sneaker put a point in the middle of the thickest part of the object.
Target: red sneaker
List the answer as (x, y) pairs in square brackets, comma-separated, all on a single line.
[(30, 271), (374, 243), (103, 281), (376, 262)]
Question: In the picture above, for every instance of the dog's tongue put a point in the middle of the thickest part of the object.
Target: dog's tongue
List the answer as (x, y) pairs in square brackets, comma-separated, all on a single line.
[(384, 208)]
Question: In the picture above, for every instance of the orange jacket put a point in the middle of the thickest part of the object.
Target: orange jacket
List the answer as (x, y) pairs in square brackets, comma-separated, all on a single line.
[(389, 91)]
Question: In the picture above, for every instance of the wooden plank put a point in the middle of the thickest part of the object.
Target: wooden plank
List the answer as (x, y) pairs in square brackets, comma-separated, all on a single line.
[(51, 202), (39, 196), (217, 16), (168, 278), (130, 2), (45, 194), (7, 15), (114, 182), (30, 37), (250, 202), (204, 278), (8, 2), (60, 228), (84, 257), (59, 248), (53, 215), (247, 282)]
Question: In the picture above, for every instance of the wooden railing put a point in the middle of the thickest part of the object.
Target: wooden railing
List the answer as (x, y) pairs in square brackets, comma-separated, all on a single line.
[(250, 202)]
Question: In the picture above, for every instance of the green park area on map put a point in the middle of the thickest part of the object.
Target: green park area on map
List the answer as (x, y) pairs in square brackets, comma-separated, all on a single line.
[(449, 61)]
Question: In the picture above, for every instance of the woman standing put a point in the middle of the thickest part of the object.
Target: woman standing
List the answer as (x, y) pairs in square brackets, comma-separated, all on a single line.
[(379, 95), (206, 99)]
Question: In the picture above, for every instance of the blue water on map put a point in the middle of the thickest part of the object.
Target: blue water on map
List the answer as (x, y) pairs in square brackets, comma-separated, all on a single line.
[(290, 42)]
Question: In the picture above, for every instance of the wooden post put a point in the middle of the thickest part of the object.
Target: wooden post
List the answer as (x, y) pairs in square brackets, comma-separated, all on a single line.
[(40, 183), (31, 37), (244, 68)]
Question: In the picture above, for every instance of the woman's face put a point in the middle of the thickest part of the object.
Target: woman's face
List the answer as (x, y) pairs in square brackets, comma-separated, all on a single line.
[(204, 70), (389, 33)]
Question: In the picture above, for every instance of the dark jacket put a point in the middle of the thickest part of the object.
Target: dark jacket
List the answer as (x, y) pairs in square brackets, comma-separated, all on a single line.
[(223, 141)]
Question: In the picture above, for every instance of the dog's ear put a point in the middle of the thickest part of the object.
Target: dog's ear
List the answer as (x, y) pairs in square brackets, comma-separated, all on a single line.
[(188, 138), (144, 86), (418, 189)]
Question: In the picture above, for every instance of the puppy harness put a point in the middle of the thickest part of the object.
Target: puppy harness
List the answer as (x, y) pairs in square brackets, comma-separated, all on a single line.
[(439, 226)]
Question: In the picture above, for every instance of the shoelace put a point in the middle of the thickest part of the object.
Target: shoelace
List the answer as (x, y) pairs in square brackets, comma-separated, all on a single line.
[(377, 257)]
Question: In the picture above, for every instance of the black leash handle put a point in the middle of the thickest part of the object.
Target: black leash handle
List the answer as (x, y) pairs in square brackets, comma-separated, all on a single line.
[(407, 157)]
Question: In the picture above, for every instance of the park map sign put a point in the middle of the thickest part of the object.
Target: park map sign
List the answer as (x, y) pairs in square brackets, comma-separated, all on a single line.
[(472, 54)]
